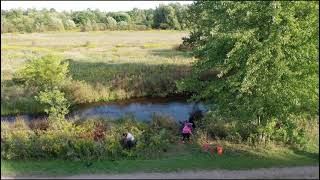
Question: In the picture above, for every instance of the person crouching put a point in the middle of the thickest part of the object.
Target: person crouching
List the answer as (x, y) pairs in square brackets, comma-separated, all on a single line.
[(128, 140)]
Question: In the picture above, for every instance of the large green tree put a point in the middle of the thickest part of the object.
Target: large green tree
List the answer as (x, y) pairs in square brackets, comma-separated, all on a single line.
[(258, 61)]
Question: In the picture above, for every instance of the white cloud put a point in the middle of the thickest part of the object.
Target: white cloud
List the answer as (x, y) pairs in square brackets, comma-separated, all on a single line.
[(83, 5)]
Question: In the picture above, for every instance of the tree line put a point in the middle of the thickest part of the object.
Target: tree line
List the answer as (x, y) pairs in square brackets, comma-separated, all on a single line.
[(171, 16)]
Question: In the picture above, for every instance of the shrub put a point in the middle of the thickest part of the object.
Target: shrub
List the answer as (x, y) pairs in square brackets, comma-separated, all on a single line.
[(99, 131), (202, 136), (111, 23), (5, 128), (18, 144), (94, 128), (86, 26), (69, 24), (43, 72), (56, 106), (122, 25), (159, 123), (19, 124), (215, 126), (79, 92), (15, 140), (39, 125), (152, 143), (84, 140), (293, 131)]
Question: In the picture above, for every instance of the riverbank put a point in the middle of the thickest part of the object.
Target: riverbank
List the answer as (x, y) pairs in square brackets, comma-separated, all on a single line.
[(180, 157)]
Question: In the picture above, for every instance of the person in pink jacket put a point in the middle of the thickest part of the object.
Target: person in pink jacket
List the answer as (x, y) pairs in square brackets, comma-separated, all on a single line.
[(186, 131)]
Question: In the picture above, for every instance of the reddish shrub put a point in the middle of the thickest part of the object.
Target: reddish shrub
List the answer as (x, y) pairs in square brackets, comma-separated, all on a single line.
[(99, 131)]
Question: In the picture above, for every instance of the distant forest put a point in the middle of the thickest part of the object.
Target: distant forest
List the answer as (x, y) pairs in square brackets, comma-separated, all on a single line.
[(172, 16)]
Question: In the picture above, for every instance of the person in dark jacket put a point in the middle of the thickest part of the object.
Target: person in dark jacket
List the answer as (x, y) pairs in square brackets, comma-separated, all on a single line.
[(195, 115)]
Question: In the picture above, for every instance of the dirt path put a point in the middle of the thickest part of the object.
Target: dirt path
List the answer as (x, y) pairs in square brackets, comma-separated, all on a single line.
[(304, 172)]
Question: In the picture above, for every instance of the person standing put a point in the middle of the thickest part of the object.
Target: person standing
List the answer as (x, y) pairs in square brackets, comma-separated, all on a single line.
[(186, 132)]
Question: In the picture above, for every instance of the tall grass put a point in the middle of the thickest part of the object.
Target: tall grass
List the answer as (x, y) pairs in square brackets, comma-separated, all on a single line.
[(105, 66)]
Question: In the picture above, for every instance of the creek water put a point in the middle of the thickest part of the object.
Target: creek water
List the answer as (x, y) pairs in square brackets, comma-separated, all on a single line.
[(141, 109)]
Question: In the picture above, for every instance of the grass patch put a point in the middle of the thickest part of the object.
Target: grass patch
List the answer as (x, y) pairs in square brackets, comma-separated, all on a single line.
[(24, 48), (123, 45), (170, 53), (89, 44), (185, 157), (154, 45)]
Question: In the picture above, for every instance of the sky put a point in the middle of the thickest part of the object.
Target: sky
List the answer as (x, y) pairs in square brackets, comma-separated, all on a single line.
[(107, 6)]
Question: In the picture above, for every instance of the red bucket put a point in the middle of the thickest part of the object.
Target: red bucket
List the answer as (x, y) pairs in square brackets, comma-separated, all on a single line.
[(219, 150)]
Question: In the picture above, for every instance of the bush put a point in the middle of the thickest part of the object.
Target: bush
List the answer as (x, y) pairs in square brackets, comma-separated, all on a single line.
[(216, 127), (111, 23), (152, 143), (18, 146), (39, 125), (19, 124), (293, 131), (56, 106), (85, 140), (47, 71), (122, 25), (15, 140), (47, 75), (5, 129), (159, 123), (94, 128), (99, 131)]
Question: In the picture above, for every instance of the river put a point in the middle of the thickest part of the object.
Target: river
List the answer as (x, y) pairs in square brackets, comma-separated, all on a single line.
[(141, 108)]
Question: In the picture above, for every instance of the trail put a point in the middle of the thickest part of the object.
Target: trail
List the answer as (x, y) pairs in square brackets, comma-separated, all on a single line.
[(302, 172)]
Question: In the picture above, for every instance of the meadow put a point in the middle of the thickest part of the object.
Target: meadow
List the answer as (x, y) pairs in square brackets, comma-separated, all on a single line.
[(104, 66)]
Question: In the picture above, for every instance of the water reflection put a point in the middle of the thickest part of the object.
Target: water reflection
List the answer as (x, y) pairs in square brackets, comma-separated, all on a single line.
[(142, 109), (179, 111)]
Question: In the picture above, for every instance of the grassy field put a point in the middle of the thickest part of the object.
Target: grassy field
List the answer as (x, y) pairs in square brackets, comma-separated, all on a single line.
[(180, 157), (104, 65)]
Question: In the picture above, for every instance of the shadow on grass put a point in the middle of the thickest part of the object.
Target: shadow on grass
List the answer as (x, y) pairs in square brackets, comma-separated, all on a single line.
[(311, 155), (139, 79), (93, 72), (171, 53)]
